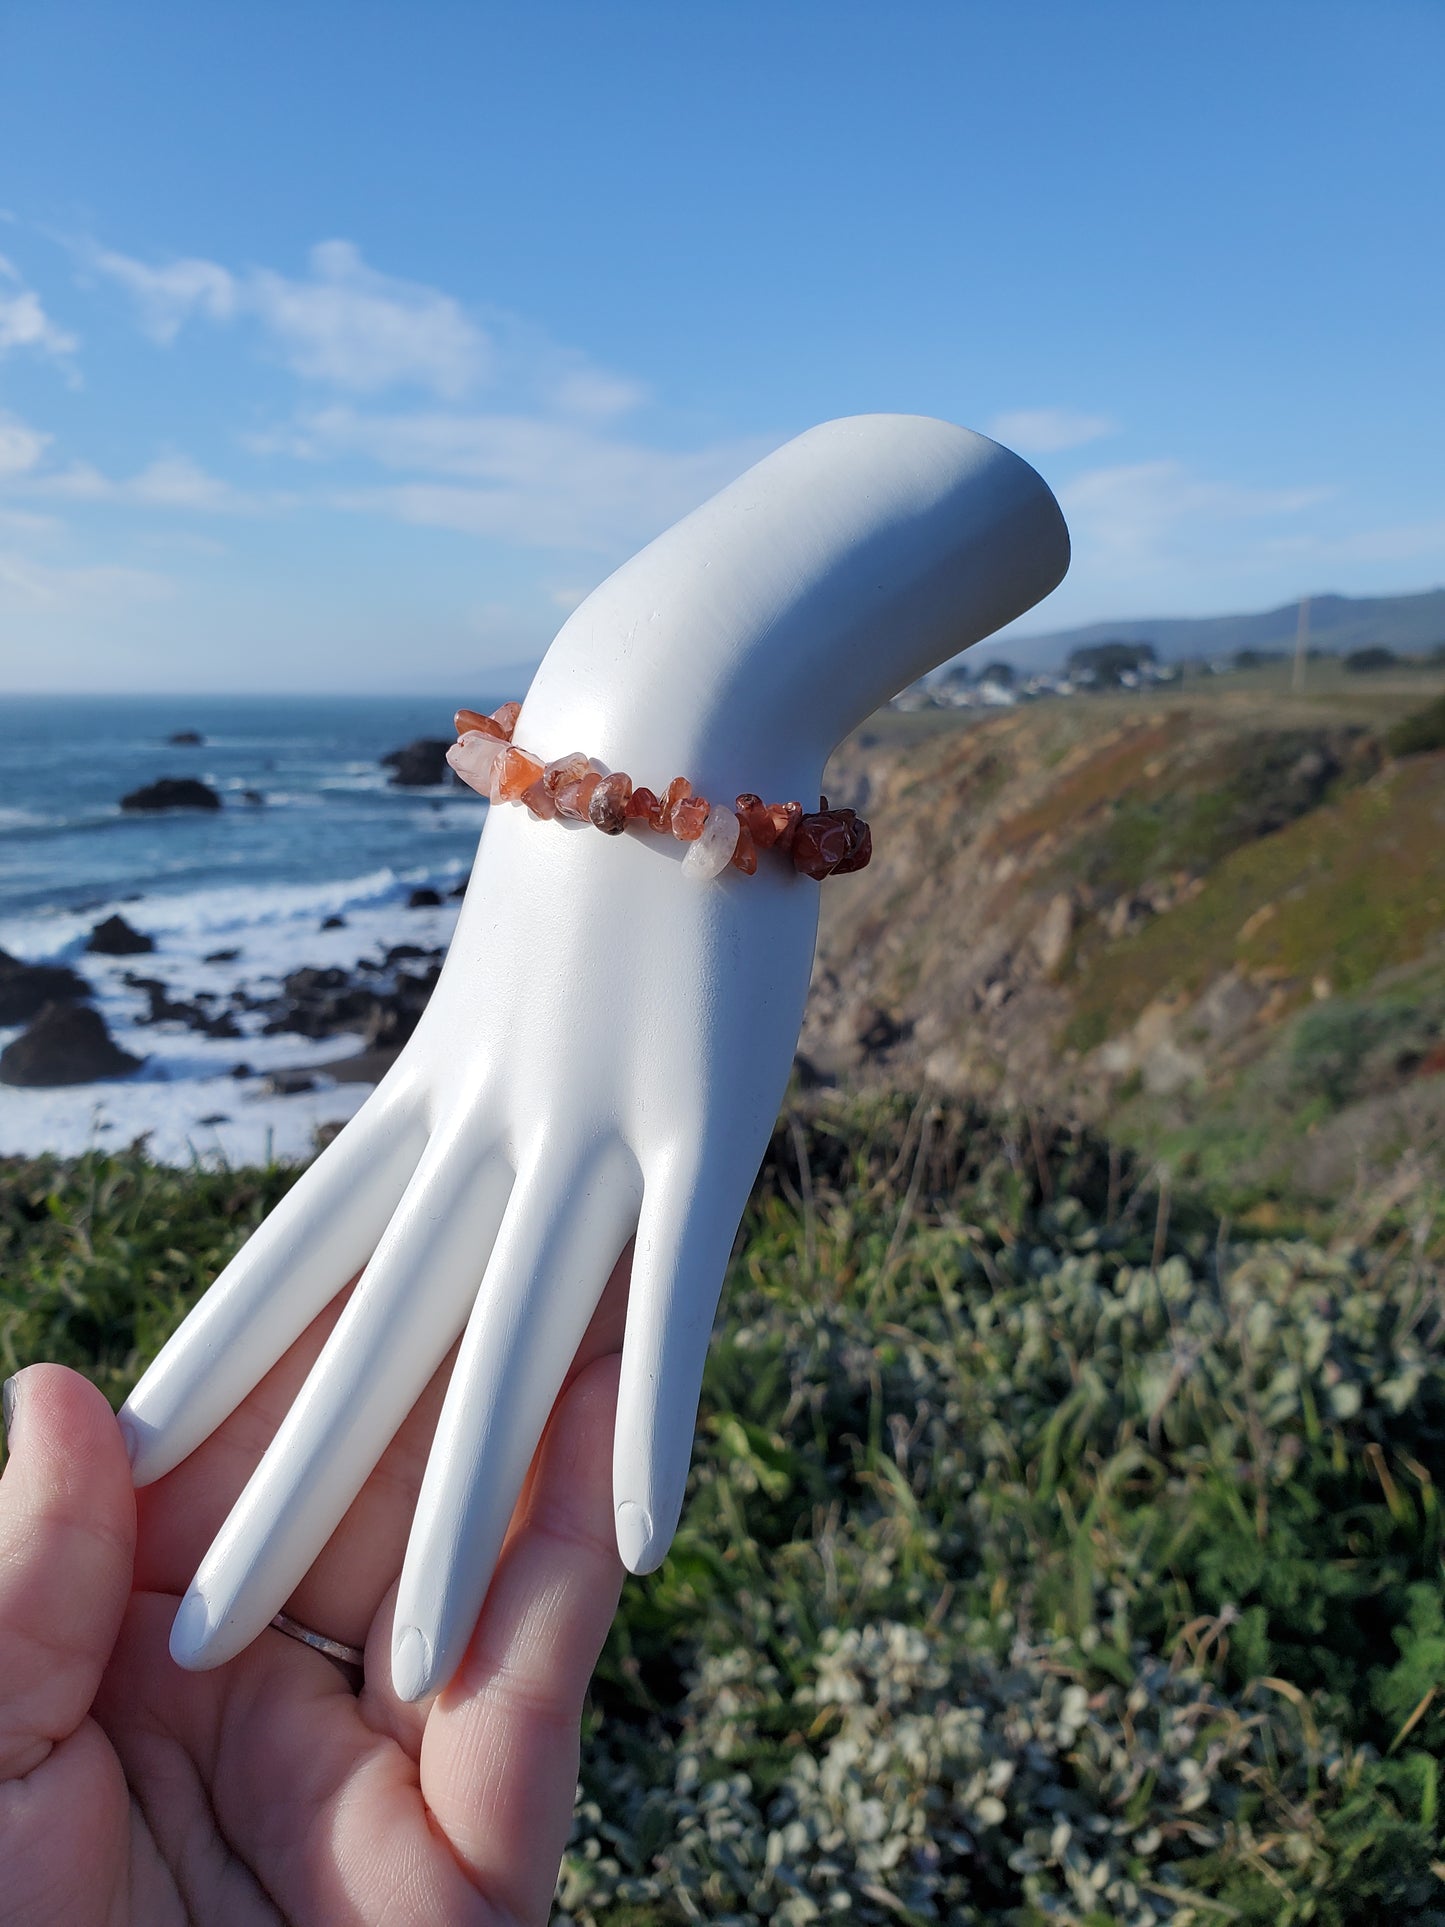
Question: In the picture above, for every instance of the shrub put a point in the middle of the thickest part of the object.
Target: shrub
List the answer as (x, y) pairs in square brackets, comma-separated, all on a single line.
[(1420, 732)]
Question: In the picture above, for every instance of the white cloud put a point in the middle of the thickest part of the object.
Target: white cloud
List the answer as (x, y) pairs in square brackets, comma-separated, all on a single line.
[(514, 478), (1046, 431), (366, 331), (343, 323), (168, 297), (170, 482), (23, 320), (595, 394), (1422, 542), (1144, 517), (177, 482), (27, 585), (21, 447)]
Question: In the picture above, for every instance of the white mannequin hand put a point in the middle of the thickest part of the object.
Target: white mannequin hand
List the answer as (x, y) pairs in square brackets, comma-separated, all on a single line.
[(607, 1046)]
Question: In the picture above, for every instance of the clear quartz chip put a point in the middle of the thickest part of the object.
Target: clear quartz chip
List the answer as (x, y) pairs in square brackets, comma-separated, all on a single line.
[(710, 853)]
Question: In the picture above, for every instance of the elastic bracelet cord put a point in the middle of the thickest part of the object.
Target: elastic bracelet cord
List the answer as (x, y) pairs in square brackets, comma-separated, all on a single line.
[(820, 843)]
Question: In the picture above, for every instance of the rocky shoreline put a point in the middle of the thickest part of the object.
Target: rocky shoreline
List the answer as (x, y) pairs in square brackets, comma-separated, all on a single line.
[(65, 1039)]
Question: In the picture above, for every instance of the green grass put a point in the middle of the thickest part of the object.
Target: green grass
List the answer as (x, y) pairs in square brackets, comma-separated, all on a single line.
[(1353, 888), (1049, 1556)]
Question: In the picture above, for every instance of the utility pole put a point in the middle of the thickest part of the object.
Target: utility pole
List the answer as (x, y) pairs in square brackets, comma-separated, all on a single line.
[(1301, 645)]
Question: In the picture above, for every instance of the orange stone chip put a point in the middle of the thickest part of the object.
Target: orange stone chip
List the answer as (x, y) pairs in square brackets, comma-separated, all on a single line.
[(540, 802), (564, 769), (573, 798), (607, 805), (786, 818), (473, 719), (688, 816), (756, 819), (513, 774), (745, 856), (506, 718), (646, 808)]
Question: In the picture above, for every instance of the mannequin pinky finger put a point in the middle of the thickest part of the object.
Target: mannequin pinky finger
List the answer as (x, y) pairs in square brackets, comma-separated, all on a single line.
[(320, 1235), (684, 1238)]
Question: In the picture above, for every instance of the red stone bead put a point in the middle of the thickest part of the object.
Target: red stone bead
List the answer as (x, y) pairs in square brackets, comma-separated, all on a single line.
[(677, 791), (564, 769), (540, 801), (573, 798), (786, 818), (506, 718), (473, 719), (756, 819), (607, 805), (822, 841), (513, 774), (688, 816), (745, 856), (644, 807), (862, 853)]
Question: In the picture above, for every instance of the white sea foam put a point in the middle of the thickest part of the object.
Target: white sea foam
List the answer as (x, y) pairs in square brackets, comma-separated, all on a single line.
[(186, 1075)]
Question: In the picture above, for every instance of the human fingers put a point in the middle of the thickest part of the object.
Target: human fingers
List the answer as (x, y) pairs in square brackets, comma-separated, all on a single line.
[(500, 1751), (690, 1210), (398, 1325), (567, 1221), (322, 1232), (67, 1539)]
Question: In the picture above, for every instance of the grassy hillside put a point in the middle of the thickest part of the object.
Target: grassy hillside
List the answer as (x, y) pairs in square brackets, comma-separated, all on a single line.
[(1051, 1555), (1215, 923)]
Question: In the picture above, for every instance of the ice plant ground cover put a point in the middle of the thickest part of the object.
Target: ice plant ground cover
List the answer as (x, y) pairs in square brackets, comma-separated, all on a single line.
[(1053, 1554)]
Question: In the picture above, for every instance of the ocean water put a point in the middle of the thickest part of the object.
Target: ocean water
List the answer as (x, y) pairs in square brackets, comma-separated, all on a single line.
[(331, 837)]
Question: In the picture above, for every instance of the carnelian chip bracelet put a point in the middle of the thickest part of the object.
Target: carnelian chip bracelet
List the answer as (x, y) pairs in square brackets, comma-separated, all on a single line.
[(821, 842)]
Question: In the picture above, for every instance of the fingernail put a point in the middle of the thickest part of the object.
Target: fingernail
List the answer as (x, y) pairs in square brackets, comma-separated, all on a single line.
[(634, 1537), (188, 1631), (9, 1393), (410, 1663), (130, 1437)]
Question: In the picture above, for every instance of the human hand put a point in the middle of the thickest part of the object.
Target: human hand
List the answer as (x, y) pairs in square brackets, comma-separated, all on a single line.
[(607, 1045), (131, 1791)]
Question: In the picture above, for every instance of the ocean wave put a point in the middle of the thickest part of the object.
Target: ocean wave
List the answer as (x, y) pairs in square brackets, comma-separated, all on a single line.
[(24, 824)]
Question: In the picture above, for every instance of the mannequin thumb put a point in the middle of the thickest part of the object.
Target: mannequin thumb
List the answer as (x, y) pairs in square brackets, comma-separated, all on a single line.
[(67, 1549)]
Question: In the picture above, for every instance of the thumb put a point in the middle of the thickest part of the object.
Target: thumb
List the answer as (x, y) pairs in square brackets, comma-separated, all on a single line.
[(67, 1549)]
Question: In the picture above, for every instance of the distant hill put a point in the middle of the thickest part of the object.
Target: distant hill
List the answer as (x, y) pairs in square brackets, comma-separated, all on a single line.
[(1337, 623)]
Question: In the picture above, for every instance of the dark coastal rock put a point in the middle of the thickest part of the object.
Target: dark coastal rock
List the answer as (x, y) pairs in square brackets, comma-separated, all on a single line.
[(424, 898), (172, 793), (318, 1003), (66, 1044), (186, 738), (116, 938), (419, 765), (165, 1009), (460, 889), (333, 923), (253, 797), (290, 1083), (307, 982), (222, 956), (26, 988)]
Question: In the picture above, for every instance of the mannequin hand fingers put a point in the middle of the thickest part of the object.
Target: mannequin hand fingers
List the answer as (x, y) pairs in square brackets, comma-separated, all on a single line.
[(684, 1237), (562, 1234), (320, 1235), (399, 1324)]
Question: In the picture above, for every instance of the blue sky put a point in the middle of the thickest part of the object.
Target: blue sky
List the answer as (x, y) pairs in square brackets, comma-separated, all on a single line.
[(348, 346)]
